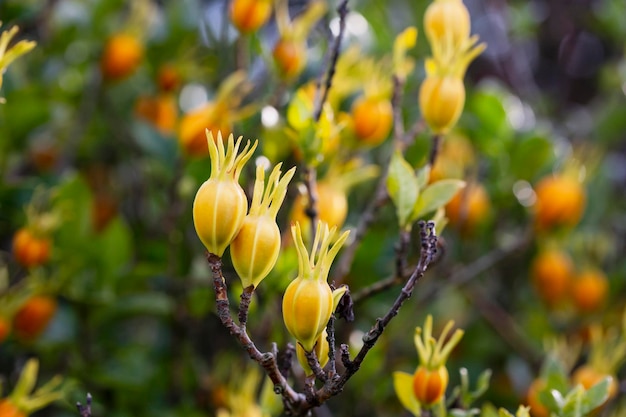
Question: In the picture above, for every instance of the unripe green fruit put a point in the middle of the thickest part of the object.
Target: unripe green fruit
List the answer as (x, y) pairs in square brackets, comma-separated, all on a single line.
[(307, 307), (219, 210), (255, 249)]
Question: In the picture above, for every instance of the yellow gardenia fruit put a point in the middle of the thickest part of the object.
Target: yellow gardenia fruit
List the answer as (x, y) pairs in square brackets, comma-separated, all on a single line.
[(220, 206), (447, 22), (321, 352), (308, 301), (256, 247), (441, 100)]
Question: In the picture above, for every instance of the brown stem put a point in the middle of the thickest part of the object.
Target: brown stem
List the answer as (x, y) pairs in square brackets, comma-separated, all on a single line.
[(310, 179), (244, 305), (434, 151), (342, 10), (429, 249), (292, 400)]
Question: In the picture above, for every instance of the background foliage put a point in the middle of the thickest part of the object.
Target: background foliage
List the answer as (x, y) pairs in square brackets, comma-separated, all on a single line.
[(135, 323)]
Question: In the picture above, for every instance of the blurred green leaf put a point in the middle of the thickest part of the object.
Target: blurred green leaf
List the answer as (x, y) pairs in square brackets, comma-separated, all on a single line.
[(403, 188), (434, 196)]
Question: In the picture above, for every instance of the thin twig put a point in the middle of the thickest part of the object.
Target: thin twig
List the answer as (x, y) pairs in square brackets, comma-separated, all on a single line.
[(292, 400), (434, 151), (429, 248), (310, 179), (342, 10)]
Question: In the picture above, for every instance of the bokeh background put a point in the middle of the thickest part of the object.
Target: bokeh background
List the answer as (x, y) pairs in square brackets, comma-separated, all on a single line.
[(135, 321)]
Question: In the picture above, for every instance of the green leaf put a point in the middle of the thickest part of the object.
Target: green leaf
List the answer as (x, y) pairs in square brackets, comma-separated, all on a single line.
[(422, 176), (403, 384), (482, 384), (403, 188), (436, 195), (529, 156), (596, 395)]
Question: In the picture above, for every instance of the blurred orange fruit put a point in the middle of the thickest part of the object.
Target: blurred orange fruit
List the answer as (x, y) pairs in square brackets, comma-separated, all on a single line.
[(588, 377), (161, 111), (193, 125), (560, 202), (589, 290), (249, 15), (551, 273), (372, 118), (537, 409), (468, 208), (121, 56), (290, 57), (168, 78), (29, 249), (33, 316)]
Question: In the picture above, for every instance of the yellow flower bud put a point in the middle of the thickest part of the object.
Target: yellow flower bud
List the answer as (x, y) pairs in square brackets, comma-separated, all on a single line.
[(447, 22), (321, 351), (441, 100), (308, 301), (429, 385), (257, 245), (220, 206)]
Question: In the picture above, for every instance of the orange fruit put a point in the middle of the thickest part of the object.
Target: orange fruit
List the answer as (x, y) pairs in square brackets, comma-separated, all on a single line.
[(551, 273), (560, 202), (290, 57), (372, 118), (30, 250), (589, 290), (537, 409), (33, 316), (193, 125), (121, 56), (168, 78), (468, 208), (161, 111), (250, 15), (588, 377)]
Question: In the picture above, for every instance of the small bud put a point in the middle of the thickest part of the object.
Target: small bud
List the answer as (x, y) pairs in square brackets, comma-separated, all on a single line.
[(441, 100), (308, 301), (220, 206), (257, 245)]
